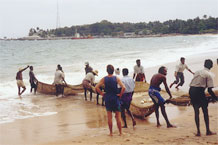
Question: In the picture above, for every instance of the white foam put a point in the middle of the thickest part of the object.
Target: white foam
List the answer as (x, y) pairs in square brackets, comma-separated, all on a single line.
[(121, 53)]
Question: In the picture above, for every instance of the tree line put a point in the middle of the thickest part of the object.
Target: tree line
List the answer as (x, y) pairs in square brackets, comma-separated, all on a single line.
[(190, 26)]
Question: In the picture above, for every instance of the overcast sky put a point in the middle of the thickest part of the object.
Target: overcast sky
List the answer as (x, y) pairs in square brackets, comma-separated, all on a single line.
[(18, 16)]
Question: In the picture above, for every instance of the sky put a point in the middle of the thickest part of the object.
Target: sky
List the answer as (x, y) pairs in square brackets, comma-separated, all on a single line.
[(18, 16)]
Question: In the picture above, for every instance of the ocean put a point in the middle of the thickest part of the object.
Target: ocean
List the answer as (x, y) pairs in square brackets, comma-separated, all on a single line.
[(72, 54)]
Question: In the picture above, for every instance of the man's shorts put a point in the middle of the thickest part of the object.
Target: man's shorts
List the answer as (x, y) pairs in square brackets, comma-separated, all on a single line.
[(154, 93), (198, 97), (20, 83), (86, 84)]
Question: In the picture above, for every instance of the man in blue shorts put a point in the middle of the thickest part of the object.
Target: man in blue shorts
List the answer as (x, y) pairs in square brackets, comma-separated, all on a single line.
[(158, 100)]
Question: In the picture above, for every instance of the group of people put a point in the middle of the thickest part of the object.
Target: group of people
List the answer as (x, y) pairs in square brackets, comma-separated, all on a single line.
[(118, 92), (59, 80), (20, 84)]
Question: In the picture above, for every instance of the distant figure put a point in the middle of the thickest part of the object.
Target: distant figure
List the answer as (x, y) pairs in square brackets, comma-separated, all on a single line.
[(117, 71), (112, 101), (158, 100), (179, 73), (126, 98), (33, 80), (88, 68), (202, 79), (117, 74), (20, 82), (139, 72), (59, 81), (89, 82)]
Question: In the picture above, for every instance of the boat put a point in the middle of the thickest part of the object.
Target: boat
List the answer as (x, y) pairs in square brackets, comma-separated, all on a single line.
[(184, 100), (51, 90), (141, 105)]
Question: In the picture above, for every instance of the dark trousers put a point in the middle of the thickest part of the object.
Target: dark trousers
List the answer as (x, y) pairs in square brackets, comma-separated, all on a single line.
[(59, 89), (180, 77)]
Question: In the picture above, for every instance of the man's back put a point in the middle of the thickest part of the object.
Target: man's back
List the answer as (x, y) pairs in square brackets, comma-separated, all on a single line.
[(19, 75), (129, 84), (202, 78), (88, 69), (58, 77)]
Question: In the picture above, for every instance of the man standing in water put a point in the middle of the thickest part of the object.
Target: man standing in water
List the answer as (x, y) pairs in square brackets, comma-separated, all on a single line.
[(20, 82), (59, 81), (179, 73), (158, 100), (33, 80), (87, 70), (126, 98), (139, 72), (202, 80)]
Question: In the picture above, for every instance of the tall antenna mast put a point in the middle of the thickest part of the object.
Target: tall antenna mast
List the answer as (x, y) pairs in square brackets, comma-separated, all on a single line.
[(58, 25)]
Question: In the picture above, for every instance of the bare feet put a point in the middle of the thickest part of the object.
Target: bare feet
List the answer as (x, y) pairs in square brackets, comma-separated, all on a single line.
[(198, 134), (171, 85), (133, 123), (158, 125), (110, 134), (171, 126), (210, 133)]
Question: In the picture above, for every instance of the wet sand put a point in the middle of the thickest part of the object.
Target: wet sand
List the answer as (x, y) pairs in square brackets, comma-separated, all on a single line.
[(83, 122)]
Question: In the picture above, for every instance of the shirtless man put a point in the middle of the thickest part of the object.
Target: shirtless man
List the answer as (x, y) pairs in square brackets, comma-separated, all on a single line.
[(20, 83), (158, 100), (33, 80)]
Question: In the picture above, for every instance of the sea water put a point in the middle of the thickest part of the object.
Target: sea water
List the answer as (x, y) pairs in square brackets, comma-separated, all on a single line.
[(72, 54)]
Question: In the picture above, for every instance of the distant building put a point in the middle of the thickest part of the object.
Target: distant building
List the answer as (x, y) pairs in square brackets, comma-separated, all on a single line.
[(129, 34)]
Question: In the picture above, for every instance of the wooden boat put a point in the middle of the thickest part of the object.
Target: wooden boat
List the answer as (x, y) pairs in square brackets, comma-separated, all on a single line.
[(51, 90), (184, 100), (141, 105), (180, 98), (180, 101)]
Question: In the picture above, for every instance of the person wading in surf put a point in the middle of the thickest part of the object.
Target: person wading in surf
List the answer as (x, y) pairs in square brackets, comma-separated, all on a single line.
[(20, 83)]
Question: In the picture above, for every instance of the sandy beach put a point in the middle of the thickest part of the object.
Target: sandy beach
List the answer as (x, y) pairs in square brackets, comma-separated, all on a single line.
[(83, 122)]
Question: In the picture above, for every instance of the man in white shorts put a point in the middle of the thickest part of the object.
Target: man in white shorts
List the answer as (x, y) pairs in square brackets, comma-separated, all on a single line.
[(20, 83)]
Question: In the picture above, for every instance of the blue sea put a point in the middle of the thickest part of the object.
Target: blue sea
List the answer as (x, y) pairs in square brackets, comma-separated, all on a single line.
[(44, 56)]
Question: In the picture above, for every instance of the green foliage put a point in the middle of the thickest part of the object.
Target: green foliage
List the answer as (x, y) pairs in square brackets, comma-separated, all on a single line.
[(190, 26)]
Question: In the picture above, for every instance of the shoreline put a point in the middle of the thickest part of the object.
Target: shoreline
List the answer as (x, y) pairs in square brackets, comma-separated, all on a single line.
[(27, 38), (84, 122)]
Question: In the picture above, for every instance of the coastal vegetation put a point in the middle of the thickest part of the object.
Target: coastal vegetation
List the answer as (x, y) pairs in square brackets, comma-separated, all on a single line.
[(108, 29)]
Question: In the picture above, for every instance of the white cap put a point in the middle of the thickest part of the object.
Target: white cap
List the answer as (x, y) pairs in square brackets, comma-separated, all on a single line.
[(87, 63)]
